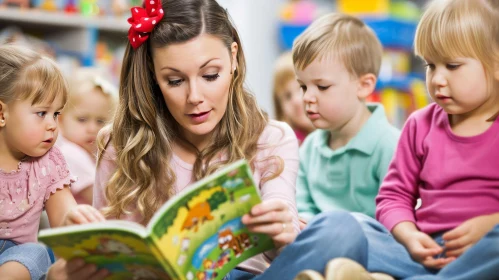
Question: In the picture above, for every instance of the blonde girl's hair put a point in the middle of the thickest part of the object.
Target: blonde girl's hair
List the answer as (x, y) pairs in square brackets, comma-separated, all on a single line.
[(87, 79), (283, 72), (450, 29), (144, 131), (344, 37), (27, 75)]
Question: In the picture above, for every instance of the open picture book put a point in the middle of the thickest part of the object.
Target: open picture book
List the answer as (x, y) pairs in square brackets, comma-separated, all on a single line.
[(198, 234)]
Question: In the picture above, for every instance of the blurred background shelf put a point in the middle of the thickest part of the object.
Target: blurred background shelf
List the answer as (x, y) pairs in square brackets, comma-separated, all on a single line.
[(60, 19), (72, 35), (392, 32)]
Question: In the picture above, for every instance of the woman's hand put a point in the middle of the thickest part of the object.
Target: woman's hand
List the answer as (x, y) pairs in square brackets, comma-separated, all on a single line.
[(75, 269), (272, 217), (82, 214)]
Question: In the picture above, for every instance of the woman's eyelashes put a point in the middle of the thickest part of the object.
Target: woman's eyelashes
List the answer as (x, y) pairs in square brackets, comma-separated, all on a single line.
[(178, 82), (212, 77), (175, 83)]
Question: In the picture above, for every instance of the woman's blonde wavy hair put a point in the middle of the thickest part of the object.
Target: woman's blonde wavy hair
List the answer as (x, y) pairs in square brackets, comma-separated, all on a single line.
[(144, 130)]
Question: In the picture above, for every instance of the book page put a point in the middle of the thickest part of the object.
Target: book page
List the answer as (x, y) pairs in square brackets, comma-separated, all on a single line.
[(118, 246), (201, 233)]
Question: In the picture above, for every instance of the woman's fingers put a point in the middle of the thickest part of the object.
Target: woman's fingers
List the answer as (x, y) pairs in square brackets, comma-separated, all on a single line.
[(269, 217), (268, 206), (272, 229)]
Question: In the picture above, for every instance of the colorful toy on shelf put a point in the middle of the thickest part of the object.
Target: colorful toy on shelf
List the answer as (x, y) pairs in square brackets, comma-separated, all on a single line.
[(371, 7), (89, 7), (119, 7), (400, 97), (299, 12), (24, 4), (48, 5), (421, 98), (395, 63), (71, 7), (403, 9)]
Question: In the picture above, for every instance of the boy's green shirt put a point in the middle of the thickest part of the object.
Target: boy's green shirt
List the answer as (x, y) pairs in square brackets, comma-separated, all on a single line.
[(347, 178)]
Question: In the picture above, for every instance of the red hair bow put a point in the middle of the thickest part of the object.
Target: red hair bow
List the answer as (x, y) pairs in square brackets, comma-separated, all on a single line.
[(143, 21)]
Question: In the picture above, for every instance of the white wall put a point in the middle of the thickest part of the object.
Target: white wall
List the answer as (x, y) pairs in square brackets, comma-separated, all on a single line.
[(257, 23)]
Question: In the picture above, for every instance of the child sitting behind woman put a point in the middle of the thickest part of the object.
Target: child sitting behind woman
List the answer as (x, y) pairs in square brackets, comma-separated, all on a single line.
[(288, 98), (91, 105)]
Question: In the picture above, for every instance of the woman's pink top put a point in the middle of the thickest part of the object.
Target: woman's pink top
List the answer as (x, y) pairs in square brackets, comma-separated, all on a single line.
[(278, 139), (23, 193)]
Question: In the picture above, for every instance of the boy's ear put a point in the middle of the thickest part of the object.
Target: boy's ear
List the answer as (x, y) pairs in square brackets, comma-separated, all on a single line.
[(367, 84), (3, 113)]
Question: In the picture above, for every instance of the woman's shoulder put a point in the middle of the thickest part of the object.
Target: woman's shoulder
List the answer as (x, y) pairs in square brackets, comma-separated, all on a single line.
[(276, 130)]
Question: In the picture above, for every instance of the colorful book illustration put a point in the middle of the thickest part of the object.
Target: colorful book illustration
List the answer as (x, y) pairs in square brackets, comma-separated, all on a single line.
[(198, 234)]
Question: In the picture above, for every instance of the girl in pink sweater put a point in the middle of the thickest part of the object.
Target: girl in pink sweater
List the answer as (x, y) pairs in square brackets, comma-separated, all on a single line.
[(33, 173)]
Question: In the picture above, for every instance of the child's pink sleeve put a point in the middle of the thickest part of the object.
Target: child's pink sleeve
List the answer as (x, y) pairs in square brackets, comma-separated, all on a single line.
[(105, 169), (399, 191), (51, 172)]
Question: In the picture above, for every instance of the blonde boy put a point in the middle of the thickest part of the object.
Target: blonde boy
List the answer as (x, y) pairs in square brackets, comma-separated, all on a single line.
[(342, 163)]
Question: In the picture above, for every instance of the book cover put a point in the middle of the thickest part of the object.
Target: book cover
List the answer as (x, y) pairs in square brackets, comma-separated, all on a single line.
[(198, 234)]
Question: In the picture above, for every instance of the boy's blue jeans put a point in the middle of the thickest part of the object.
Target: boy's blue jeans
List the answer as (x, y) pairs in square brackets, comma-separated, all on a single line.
[(363, 239)]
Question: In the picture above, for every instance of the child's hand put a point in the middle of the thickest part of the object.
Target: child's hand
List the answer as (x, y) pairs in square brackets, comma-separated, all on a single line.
[(272, 217), (420, 245), (460, 239), (423, 249), (82, 214)]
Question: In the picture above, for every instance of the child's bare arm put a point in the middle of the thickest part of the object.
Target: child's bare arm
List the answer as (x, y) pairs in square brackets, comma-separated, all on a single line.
[(62, 210)]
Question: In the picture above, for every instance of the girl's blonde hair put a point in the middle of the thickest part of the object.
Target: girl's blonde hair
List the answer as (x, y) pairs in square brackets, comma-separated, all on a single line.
[(460, 28), (144, 130), (26, 75), (284, 72), (88, 79)]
